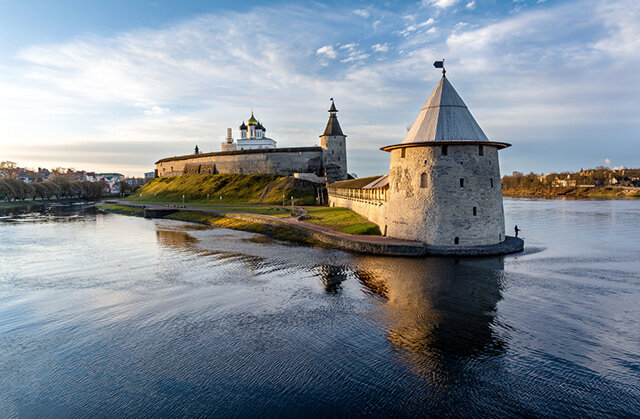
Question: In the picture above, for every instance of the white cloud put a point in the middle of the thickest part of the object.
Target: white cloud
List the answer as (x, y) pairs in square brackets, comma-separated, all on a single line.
[(156, 110), (471, 5), (416, 26), (607, 162), (361, 12), (442, 4), (380, 47), (349, 46), (327, 51)]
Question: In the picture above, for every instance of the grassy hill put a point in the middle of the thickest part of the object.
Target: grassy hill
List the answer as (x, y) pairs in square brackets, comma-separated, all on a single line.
[(234, 189)]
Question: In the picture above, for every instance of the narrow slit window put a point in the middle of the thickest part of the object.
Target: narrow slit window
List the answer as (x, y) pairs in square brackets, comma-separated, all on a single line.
[(491, 182), (461, 182), (445, 150), (475, 211), (456, 240), (402, 153), (424, 178), (481, 150)]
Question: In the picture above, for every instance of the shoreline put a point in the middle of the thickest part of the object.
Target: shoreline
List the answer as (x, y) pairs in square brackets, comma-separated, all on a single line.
[(291, 228), (574, 193)]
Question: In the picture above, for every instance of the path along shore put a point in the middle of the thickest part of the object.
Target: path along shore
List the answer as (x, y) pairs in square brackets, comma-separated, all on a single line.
[(378, 245)]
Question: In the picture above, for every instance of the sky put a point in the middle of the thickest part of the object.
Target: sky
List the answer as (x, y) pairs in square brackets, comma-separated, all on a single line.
[(116, 85)]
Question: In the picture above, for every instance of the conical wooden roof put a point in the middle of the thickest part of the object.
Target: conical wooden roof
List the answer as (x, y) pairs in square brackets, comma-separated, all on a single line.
[(444, 117)]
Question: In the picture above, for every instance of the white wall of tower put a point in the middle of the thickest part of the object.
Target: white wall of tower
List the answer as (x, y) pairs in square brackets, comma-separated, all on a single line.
[(427, 202)]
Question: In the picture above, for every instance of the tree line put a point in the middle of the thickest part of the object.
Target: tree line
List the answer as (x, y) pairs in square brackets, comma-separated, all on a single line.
[(57, 188)]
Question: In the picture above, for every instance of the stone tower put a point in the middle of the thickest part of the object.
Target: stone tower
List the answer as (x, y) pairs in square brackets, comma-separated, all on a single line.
[(444, 178), (334, 143)]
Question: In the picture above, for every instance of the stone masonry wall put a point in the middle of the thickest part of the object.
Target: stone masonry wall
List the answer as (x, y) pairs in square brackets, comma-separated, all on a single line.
[(372, 211), (335, 154), (434, 208), (277, 163)]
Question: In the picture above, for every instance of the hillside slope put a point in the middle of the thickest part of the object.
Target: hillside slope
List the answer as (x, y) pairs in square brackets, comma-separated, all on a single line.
[(234, 189)]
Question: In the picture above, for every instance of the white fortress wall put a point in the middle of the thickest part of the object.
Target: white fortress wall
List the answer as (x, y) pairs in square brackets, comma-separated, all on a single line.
[(281, 162), (371, 210), (435, 198)]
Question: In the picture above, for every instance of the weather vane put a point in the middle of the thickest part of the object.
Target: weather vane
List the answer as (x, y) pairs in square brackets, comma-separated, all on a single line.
[(440, 64)]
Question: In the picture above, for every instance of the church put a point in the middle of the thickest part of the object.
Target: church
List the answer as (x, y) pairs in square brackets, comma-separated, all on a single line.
[(255, 153)]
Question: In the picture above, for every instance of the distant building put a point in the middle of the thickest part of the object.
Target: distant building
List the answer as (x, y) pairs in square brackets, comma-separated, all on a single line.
[(252, 137), (149, 175), (112, 180), (255, 153)]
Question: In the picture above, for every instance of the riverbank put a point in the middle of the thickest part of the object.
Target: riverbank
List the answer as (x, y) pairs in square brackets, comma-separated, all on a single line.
[(293, 228), (37, 202), (573, 192)]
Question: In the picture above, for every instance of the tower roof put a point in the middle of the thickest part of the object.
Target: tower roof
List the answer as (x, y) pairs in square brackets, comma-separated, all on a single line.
[(444, 117), (333, 126), (252, 120), (243, 126)]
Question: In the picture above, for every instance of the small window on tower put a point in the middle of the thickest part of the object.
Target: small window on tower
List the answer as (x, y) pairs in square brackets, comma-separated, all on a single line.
[(475, 211), (445, 150), (481, 150), (491, 182), (461, 182), (424, 178), (456, 240), (402, 153)]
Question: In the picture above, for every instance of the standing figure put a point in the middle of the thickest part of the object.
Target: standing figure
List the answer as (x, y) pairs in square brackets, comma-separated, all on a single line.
[(517, 230)]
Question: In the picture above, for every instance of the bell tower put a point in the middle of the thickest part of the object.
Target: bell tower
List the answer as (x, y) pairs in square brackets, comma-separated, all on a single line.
[(334, 143)]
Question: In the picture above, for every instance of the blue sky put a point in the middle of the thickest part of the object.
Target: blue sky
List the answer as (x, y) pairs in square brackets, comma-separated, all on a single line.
[(117, 85)]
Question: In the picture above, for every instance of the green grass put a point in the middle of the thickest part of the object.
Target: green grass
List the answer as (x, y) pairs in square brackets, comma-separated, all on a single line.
[(243, 225), (234, 189), (272, 210), (340, 219), (121, 209)]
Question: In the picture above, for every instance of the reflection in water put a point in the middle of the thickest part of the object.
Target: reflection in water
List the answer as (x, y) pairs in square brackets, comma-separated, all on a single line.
[(436, 307), (333, 276), (175, 238)]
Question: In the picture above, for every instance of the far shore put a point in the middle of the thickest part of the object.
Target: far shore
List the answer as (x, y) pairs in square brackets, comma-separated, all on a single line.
[(572, 193)]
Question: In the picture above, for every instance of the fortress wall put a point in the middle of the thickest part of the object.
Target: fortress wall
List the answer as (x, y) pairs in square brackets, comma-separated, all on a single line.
[(440, 209), (277, 163), (371, 210)]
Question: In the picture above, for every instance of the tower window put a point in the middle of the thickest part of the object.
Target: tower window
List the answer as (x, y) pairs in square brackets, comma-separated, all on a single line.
[(445, 150), (461, 182), (456, 240), (423, 180), (491, 182), (475, 211), (402, 153), (481, 150)]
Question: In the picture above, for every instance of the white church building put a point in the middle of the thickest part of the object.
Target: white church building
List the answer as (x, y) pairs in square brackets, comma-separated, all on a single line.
[(252, 137)]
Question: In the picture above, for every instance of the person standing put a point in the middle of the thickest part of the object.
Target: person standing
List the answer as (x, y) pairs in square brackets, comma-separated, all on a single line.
[(517, 230)]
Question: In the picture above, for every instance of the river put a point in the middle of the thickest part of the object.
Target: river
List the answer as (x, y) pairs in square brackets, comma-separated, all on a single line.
[(109, 315)]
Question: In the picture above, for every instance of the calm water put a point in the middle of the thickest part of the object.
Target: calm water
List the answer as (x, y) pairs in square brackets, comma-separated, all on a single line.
[(107, 315)]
